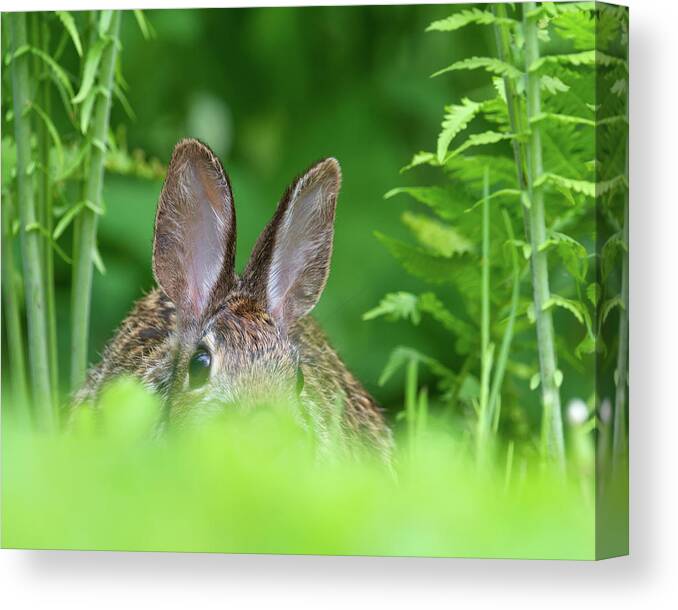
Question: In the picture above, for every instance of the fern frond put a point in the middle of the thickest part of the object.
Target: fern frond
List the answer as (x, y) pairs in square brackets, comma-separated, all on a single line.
[(440, 239), (444, 202), (480, 139), (457, 117), (467, 17), (418, 262), (583, 58), (490, 64)]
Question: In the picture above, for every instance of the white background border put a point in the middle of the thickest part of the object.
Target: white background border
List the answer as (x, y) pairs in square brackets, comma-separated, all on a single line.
[(648, 578)]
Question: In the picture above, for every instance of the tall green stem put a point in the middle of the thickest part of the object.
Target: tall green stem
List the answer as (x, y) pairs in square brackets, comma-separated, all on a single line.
[(619, 445), (11, 312), (507, 339), (86, 228), (485, 350), (30, 239), (44, 198), (552, 425)]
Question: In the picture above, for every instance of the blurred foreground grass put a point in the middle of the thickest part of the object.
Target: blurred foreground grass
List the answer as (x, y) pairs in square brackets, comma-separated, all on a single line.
[(253, 484)]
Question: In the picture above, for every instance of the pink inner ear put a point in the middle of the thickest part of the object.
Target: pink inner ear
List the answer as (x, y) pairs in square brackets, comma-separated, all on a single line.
[(300, 257), (203, 234)]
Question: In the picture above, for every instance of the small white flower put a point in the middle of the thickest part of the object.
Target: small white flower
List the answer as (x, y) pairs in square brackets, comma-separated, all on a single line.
[(577, 412)]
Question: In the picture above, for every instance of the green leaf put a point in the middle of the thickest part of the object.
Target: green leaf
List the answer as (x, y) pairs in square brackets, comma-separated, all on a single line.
[(69, 23), (34, 226), (104, 22), (66, 219), (55, 69), (584, 187), (558, 377), (480, 139), (608, 253), (535, 380), (609, 305), (583, 58), (86, 110), (466, 17), (420, 158), (457, 117), (89, 71), (523, 245), (593, 292), (490, 64), (572, 253), (396, 306), (143, 24), (401, 356), (435, 269), (553, 84), (562, 118), (438, 238), (494, 195), (578, 310), (444, 202), (587, 345), (53, 133), (98, 261)]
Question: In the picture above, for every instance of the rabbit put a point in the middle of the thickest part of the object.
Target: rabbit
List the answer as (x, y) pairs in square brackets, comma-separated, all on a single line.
[(206, 338)]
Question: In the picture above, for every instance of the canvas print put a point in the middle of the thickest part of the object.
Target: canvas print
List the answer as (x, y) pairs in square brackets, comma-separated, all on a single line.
[(343, 280)]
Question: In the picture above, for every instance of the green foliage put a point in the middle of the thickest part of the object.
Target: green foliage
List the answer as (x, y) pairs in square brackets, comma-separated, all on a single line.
[(559, 71), (109, 486)]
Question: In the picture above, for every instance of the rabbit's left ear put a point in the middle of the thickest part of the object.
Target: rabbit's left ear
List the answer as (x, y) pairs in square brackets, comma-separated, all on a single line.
[(194, 239), (290, 262)]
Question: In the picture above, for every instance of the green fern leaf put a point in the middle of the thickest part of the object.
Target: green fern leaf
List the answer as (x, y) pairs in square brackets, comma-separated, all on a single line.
[(457, 117), (466, 17), (584, 187), (444, 202), (490, 64), (420, 158), (418, 262), (440, 239), (578, 310), (480, 139), (397, 306), (582, 58)]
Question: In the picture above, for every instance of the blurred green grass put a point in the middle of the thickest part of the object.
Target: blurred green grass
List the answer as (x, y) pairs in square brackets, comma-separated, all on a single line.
[(252, 483)]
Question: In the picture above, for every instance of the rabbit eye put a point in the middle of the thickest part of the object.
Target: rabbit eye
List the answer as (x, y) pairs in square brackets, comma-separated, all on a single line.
[(199, 368)]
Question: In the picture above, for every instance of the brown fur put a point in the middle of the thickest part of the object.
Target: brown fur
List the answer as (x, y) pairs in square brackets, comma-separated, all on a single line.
[(257, 339)]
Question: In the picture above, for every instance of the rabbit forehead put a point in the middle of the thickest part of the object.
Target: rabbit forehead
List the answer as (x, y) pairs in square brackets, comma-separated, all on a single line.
[(242, 335)]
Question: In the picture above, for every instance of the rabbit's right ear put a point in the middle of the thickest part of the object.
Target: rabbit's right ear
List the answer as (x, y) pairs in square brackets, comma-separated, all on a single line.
[(194, 239)]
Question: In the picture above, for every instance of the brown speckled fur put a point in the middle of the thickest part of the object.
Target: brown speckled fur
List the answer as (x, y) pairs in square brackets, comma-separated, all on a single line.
[(251, 347)]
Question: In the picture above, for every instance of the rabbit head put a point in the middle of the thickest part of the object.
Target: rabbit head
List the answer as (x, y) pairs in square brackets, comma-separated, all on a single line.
[(233, 334)]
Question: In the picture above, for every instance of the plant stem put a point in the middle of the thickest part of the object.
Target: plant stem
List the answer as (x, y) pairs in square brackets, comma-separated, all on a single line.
[(85, 238), (514, 103), (508, 333), (485, 356), (45, 214), (30, 239), (552, 425), (619, 444), (11, 312), (411, 400)]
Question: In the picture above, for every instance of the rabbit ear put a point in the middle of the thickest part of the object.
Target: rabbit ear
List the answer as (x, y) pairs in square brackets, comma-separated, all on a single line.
[(194, 240), (291, 259)]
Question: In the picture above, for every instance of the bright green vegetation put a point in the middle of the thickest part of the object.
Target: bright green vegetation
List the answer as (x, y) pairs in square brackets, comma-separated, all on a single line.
[(496, 294), (252, 485)]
